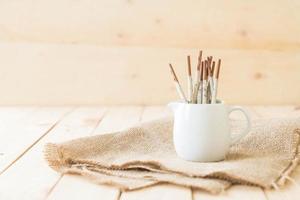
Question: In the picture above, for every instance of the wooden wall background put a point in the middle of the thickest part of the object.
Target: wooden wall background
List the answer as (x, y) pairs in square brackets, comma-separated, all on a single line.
[(117, 52)]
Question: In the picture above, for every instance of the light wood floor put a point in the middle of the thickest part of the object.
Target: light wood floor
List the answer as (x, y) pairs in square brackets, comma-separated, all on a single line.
[(24, 174)]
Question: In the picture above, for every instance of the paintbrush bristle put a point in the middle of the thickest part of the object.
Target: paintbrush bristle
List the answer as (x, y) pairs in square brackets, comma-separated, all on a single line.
[(206, 70), (207, 74), (213, 68), (201, 72), (199, 60), (173, 72), (200, 56), (189, 66), (218, 69)]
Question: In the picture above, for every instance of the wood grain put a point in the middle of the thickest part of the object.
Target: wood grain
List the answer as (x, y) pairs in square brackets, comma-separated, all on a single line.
[(86, 74), (194, 23), (30, 177), (64, 52), (18, 136)]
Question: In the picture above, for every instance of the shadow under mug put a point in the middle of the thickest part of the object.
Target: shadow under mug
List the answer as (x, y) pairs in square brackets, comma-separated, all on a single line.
[(202, 131)]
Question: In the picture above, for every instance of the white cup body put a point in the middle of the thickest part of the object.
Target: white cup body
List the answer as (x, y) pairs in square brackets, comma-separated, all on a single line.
[(201, 131)]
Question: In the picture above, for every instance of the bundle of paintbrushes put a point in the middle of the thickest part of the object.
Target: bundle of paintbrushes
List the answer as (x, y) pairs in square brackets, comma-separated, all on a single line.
[(203, 88)]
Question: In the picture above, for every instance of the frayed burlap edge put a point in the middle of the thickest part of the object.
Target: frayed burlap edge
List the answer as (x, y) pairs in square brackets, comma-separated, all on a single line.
[(56, 157), (285, 173), (58, 160)]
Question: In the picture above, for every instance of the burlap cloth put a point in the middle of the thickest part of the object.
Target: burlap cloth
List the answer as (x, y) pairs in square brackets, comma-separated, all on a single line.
[(144, 155)]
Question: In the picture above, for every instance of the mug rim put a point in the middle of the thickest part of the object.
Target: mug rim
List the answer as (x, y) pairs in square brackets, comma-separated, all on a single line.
[(221, 102)]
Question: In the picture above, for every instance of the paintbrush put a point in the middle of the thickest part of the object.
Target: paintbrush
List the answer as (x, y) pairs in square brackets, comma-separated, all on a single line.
[(200, 91), (205, 83), (216, 78), (197, 79), (213, 68), (177, 85), (210, 74), (190, 80), (210, 80)]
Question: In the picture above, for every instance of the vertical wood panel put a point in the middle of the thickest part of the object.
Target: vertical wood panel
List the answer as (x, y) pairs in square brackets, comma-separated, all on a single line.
[(82, 74), (192, 23)]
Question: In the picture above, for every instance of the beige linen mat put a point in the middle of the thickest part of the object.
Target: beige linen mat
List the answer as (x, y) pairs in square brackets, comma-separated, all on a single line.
[(144, 155)]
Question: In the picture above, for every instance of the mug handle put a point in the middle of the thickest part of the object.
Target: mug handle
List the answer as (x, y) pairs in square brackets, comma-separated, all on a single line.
[(238, 137)]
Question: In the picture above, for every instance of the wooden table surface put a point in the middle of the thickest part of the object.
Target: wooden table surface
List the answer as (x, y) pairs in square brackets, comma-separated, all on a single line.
[(24, 174)]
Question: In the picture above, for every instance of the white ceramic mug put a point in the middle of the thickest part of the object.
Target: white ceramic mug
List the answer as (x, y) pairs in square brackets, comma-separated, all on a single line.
[(202, 131)]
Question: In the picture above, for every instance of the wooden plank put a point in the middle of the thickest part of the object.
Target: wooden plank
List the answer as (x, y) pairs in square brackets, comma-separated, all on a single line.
[(291, 190), (139, 75), (201, 23), (159, 192), (78, 188), (234, 193), (117, 118), (11, 115), (30, 177), (155, 112), (19, 136)]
